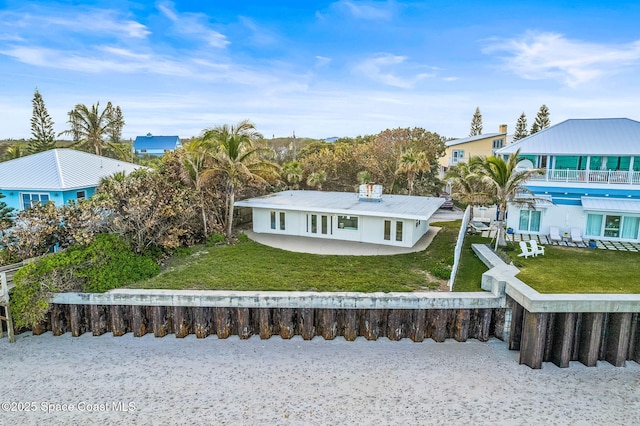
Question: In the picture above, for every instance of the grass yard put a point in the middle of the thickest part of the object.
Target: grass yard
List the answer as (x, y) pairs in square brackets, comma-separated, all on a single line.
[(580, 270), (471, 267), (253, 266)]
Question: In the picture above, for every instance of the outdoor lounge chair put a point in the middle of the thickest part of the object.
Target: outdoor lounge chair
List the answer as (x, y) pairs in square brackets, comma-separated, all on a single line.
[(535, 248), (554, 234), (526, 251), (575, 235)]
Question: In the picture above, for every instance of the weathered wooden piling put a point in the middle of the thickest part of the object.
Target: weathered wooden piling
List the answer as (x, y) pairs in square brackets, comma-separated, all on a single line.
[(563, 338)]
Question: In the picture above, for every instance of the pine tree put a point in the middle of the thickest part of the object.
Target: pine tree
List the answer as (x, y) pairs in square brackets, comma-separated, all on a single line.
[(41, 127), (476, 123), (542, 120), (521, 128), (6, 217)]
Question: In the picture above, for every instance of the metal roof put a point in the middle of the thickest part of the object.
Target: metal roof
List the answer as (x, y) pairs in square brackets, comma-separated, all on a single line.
[(594, 136), (396, 206), (59, 170), (603, 204), (473, 139), (156, 142)]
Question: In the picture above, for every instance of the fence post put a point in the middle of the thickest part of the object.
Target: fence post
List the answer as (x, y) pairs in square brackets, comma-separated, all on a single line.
[(4, 302)]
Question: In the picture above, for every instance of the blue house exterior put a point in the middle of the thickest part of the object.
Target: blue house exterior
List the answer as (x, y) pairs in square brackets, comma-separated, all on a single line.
[(591, 173), (155, 145), (58, 175)]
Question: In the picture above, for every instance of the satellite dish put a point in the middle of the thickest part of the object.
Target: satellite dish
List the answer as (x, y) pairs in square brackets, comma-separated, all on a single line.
[(524, 165)]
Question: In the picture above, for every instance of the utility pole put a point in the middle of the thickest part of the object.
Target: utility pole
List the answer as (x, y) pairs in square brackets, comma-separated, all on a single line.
[(295, 148)]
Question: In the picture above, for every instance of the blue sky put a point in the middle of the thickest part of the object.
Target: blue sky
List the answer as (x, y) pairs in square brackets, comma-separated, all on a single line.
[(319, 68)]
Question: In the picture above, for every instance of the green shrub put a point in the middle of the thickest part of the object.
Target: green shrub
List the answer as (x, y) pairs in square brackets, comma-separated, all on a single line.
[(182, 251), (243, 238), (441, 271), (108, 262), (215, 239)]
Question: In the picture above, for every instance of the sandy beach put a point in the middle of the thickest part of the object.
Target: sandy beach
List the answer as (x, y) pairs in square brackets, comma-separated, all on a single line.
[(126, 380)]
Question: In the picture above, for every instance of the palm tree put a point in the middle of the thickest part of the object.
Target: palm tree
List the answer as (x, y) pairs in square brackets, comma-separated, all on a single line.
[(364, 177), (237, 158), (14, 151), (413, 163), (293, 172), (507, 186), (89, 126), (196, 157), (315, 179), (468, 183)]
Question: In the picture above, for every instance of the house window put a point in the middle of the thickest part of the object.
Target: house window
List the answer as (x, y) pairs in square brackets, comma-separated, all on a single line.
[(282, 221), (457, 156), (325, 224), (612, 226), (314, 224), (399, 230), (529, 221), (630, 227), (594, 224), (30, 200), (498, 143), (81, 195), (273, 219), (348, 222), (387, 230)]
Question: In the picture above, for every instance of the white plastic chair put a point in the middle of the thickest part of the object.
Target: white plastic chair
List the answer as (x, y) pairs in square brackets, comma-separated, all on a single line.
[(526, 251), (576, 236), (535, 248)]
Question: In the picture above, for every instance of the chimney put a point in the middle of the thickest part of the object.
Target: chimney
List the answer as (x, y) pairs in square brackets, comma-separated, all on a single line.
[(503, 128)]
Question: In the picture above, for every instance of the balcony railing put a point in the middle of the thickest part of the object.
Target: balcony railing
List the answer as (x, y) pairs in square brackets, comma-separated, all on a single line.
[(590, 176)]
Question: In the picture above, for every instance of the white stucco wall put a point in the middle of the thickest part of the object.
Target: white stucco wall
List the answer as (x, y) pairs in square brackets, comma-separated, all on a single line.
[(563, 216), (370, 228)]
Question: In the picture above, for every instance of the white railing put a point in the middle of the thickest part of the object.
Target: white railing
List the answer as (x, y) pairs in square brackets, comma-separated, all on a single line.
[(458, 249), (589, 176)]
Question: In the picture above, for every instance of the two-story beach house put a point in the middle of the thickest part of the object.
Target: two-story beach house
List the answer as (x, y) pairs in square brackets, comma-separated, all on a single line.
[(591, 175), (58, 175), (367, 216), (155, 145), (460, 150)]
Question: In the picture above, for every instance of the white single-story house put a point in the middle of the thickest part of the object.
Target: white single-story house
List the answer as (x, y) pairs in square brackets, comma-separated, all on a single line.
[(155, 145), (58, 175), (367, 216)]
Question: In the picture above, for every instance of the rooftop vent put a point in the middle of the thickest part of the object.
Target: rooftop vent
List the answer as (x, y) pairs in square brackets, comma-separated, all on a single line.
[(370, 192)]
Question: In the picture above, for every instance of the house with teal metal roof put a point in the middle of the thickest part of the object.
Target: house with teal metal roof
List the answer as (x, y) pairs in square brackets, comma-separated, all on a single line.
[(591, 173), (155, 145), (58, 175)]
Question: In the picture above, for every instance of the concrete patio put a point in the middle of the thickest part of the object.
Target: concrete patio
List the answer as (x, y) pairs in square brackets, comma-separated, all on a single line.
[(544, 240)]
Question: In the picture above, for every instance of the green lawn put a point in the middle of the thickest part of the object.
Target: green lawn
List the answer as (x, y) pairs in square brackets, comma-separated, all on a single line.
[(580, 270), (253, 266), (471, 267)]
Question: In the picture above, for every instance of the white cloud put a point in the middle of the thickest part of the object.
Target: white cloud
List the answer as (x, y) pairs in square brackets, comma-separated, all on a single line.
[(537, 56), (74, 20), (377, 69), (367, 10), (193, 25), (322, 61)]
